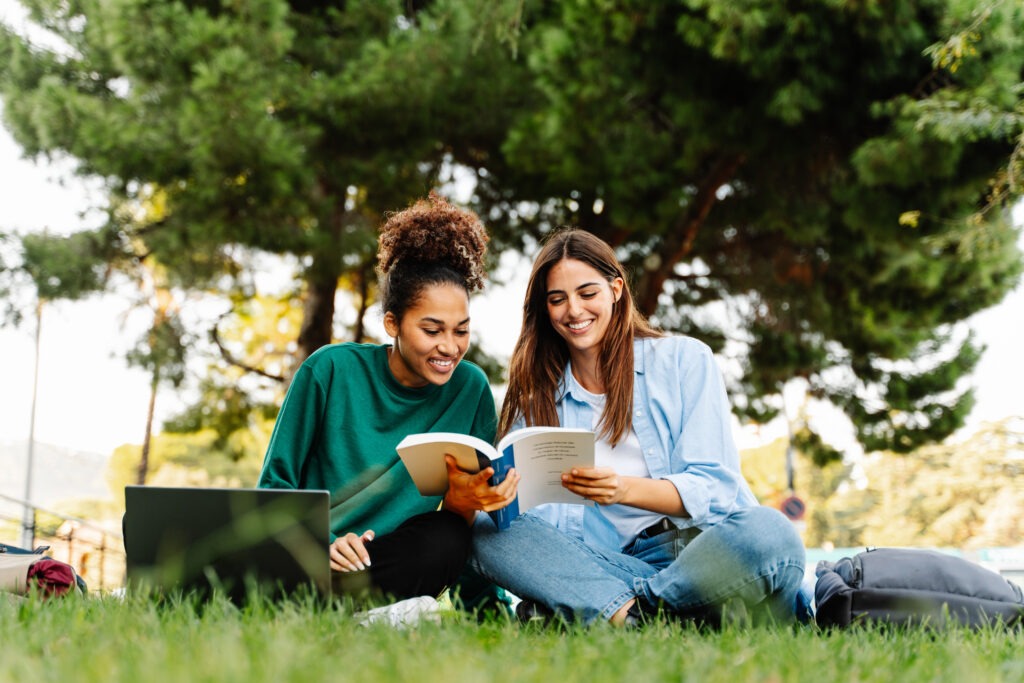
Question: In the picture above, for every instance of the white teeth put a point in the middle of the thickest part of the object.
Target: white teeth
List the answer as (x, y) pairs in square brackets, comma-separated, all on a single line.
[(578, 326)]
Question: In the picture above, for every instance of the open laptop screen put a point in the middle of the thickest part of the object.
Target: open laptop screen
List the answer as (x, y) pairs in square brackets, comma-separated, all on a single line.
[(229, 539)]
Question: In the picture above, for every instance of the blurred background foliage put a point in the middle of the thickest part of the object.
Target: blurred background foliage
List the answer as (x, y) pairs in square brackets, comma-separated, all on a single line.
[(194, 459), (820, 191), (961, 494)]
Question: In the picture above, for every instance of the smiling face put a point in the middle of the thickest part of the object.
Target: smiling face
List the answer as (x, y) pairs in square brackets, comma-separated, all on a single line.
[(579, 305), (431, 338)]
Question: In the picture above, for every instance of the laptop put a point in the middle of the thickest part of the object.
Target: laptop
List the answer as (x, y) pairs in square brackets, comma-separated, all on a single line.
[(227, 540)]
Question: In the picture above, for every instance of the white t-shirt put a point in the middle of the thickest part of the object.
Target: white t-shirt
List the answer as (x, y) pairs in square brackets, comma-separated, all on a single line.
[(627, 459)]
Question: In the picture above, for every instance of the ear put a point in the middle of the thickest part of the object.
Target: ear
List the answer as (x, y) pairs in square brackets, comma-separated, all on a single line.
[(617, 284), (391, 324)]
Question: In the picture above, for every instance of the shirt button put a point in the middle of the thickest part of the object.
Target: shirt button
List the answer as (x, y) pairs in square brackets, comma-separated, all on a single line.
[(639, 413)]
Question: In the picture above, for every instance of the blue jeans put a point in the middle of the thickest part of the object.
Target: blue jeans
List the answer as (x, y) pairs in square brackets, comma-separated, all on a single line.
[(754, 555)]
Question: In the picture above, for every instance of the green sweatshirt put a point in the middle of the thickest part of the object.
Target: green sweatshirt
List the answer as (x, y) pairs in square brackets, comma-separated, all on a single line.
[(340, 422)]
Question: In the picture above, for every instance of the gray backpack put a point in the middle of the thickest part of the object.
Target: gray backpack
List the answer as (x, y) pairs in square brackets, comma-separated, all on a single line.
[(909, 586)]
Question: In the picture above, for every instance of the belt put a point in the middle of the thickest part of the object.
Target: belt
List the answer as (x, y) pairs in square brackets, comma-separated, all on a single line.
[(665, 524), (659, 527)]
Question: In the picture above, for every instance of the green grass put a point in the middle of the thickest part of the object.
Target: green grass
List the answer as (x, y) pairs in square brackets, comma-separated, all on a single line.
[(105, 639)]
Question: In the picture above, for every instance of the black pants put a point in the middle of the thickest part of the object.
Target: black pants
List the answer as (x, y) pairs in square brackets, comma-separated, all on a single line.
[(423, 556)]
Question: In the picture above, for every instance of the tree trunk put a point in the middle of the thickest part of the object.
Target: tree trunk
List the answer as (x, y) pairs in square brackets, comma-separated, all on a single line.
[(678, 242), (365, 275), (317, 316), (321, 284), (144, 459)]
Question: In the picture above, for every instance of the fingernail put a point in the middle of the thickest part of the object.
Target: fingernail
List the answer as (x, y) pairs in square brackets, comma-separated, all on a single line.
[(367, 562)]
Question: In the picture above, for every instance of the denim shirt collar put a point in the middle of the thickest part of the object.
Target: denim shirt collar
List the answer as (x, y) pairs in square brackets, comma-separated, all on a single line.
[(568, 386)]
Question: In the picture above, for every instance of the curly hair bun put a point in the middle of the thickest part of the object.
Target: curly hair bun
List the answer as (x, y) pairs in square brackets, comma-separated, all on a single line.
[(434, 231)]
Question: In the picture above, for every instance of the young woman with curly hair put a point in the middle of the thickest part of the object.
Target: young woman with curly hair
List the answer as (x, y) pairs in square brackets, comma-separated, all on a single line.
[(674, 525), (350, 404)]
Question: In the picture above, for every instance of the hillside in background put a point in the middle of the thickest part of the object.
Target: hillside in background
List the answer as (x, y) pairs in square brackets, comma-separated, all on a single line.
[(58, 474)]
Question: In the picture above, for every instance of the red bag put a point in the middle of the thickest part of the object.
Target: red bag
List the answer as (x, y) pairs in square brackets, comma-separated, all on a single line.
[(52, 577), (21, 569)]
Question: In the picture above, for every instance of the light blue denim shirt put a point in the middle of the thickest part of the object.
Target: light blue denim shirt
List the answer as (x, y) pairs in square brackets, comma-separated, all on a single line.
[(681, 417)]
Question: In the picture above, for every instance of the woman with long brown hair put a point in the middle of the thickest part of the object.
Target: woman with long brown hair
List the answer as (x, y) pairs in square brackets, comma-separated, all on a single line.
[(666, 519)]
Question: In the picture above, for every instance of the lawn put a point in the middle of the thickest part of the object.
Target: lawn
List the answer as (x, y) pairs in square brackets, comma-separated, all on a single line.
[(106, 639)]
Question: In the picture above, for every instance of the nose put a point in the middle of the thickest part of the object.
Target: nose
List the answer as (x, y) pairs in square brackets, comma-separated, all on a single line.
[(447, 346), (574, 306)]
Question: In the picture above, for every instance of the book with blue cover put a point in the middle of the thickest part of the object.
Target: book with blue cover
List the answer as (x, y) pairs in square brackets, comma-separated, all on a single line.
[(539, 454)]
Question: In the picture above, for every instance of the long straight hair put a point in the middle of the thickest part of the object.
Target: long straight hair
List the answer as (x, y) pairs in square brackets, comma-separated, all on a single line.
[(540, 355)]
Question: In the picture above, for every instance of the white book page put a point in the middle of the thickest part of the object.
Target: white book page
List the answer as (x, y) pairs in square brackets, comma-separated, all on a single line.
[(541, 457)]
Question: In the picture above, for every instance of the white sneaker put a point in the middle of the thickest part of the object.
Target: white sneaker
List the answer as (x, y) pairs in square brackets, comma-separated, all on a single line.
[(403, 613)]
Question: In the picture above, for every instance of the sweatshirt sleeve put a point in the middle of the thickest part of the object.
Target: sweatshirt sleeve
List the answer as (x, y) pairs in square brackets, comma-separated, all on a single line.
[(295, 431), (485, 422)]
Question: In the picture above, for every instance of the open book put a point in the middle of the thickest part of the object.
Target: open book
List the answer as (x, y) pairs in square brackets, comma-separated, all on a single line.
[(539, 454)]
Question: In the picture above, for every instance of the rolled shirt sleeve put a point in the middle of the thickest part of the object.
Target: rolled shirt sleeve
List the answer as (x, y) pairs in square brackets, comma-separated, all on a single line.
[(703, 462)]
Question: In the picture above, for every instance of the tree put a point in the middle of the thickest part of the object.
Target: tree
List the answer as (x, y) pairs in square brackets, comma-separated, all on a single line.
[(226, 130), (965, 118), (235, 398), (161, 352), (752, 162), (51, 267), (286, 127)]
